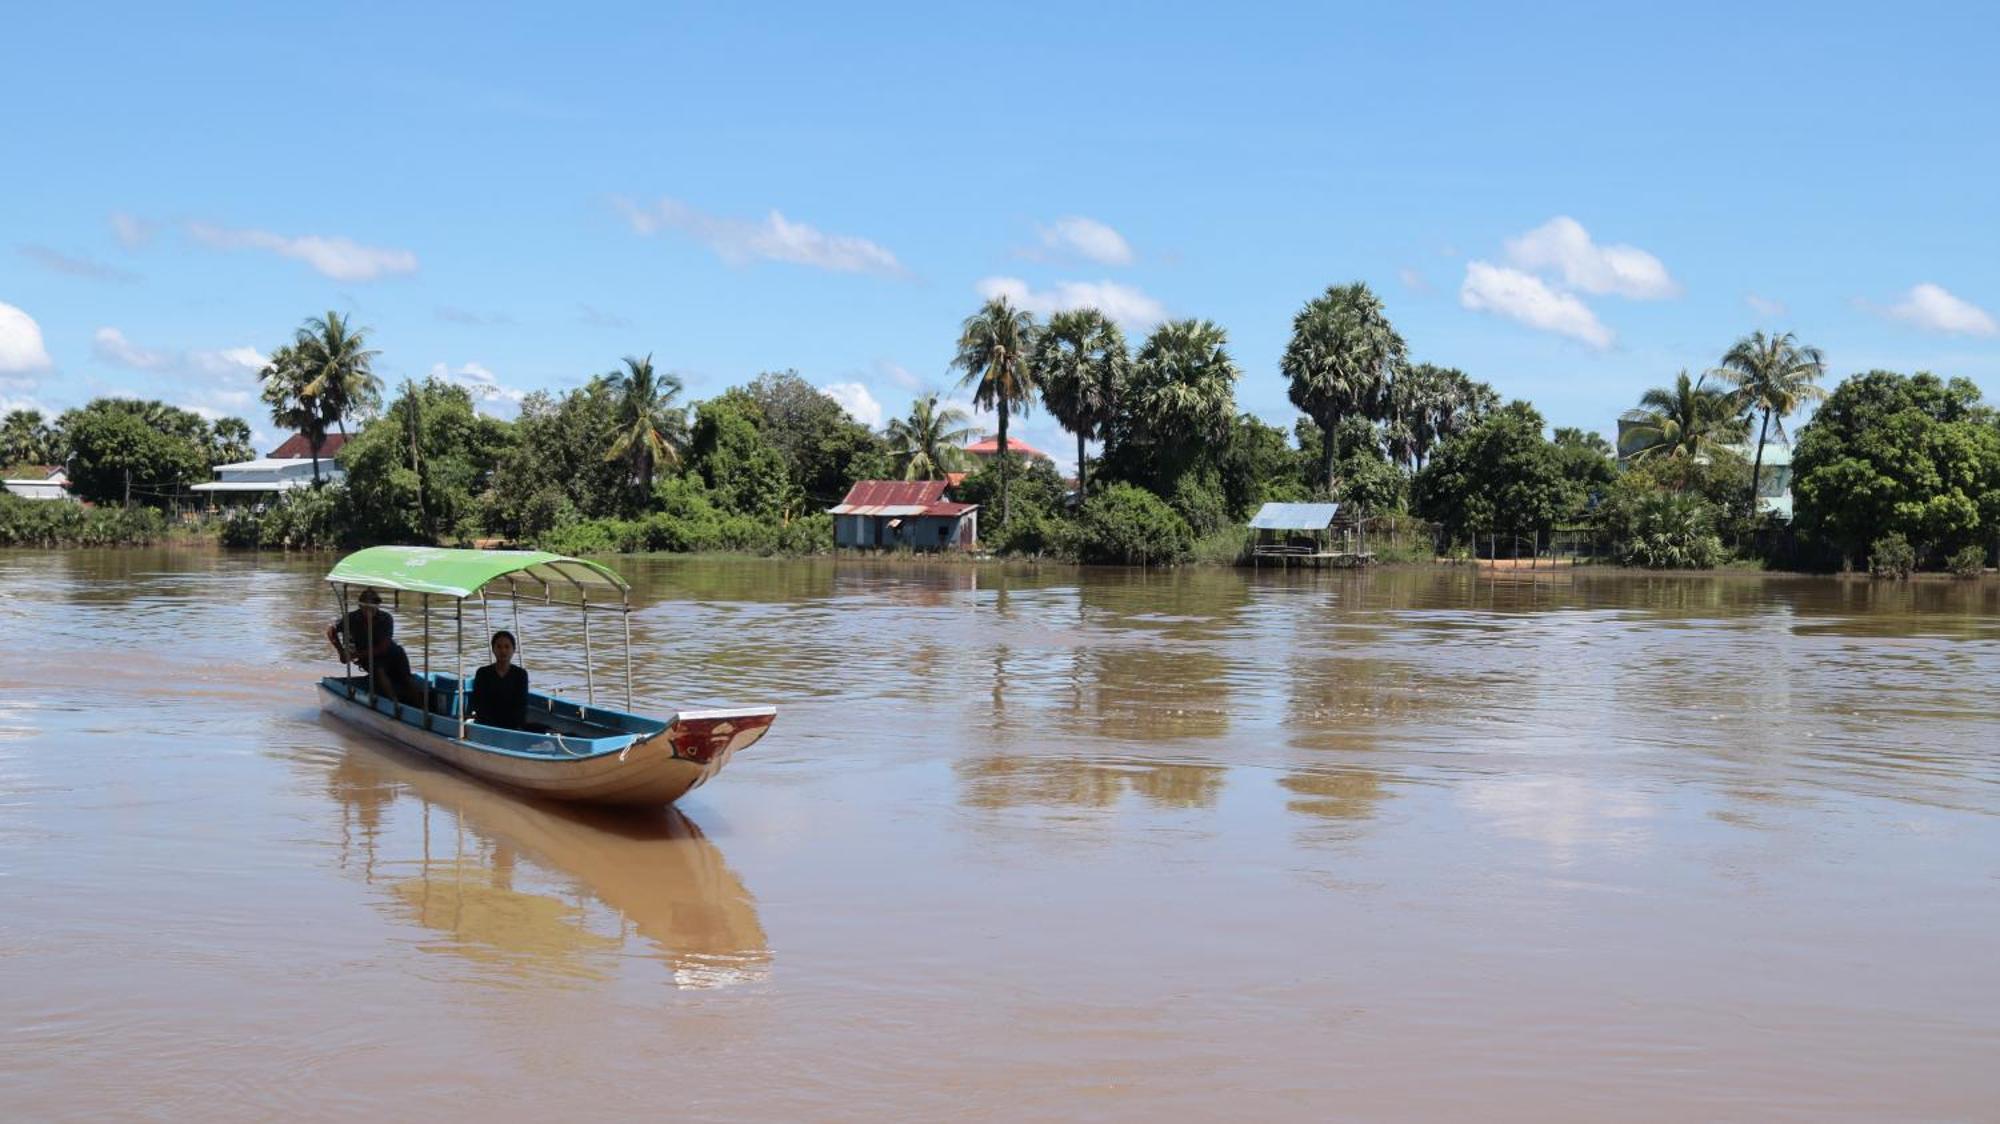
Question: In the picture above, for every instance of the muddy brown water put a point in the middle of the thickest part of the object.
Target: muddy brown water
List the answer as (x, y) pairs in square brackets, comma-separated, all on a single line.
[(1421, 844)]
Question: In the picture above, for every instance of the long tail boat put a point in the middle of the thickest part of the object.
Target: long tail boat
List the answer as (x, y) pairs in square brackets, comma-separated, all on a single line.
[(571, 750)]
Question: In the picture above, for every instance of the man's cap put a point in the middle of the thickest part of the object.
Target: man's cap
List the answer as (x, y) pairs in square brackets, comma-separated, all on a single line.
[(370, 597)]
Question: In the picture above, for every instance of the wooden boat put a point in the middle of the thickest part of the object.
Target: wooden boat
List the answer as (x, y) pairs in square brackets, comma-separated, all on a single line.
[(576, 751)]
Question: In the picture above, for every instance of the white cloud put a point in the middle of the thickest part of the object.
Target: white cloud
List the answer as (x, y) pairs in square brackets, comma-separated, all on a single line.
[(227, 361), (55, 261), (110, 345), (1075, 236), (1766, 306), (1935, 309), (1523, 297), (342, 259), (900, 375), (1564, 246), (132, 231), (776, 238), (20, 341), (857, 401), (1414, 280), (485, 387), (1128, 306)]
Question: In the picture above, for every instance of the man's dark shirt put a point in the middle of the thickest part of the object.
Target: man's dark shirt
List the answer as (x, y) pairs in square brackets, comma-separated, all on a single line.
[(355, 628), (500, 702)]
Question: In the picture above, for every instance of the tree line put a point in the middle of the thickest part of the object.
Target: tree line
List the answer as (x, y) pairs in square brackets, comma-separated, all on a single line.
[(622, 462)]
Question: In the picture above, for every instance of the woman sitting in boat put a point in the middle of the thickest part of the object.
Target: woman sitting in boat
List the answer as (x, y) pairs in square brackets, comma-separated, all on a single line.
[(500, 689), (366, 637)]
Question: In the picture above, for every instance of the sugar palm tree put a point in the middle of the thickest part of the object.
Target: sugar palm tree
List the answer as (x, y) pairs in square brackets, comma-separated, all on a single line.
[(1080, 363), (1341, 359), (337, 366), (286, 391), (926, 445), (1676, 421), (229, 441), (25, 438), (648, 427), (1183, 385), (1773, 376), (993, 347)]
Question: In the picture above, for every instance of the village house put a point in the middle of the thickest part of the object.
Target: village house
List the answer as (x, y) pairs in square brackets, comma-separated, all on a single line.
[(917, 514), (37, 482), (259, 481), (986, 448)]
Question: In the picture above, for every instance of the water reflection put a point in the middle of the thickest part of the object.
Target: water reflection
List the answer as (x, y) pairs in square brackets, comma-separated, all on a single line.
[(543, 889), (1069, 782)]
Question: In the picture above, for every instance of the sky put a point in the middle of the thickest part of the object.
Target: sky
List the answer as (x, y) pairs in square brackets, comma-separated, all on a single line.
[(1572, 203)]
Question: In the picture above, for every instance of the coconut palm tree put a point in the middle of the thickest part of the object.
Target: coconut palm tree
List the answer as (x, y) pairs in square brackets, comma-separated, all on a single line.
[(337, 367), (286, 391), (648, 429), (1341, 359), (1080, 363), (1183, 385), (1676, 421), (927, 443), (993, 351), (1773, 375)]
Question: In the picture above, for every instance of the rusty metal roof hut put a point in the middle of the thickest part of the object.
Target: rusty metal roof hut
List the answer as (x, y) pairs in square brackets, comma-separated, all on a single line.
[(1311, 534)]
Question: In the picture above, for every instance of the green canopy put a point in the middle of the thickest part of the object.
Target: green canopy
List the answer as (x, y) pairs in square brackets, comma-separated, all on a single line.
[(461, 573)]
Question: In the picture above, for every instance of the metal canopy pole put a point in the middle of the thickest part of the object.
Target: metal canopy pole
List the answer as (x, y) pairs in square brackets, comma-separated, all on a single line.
[(371, 656), (515, 596), (346, 664), (460, 685), (426, 601), (589, 680), (625, 614)]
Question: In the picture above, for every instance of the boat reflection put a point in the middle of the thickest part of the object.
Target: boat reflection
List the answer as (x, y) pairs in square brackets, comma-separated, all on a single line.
[(540, 888)]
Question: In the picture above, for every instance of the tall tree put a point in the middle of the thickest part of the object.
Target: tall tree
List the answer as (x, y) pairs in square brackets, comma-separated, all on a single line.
[(993, 351), (294, 406), (337, 369), (229, 441), (925, 445), (1341, 359), (1183, 387), (25, 438), (650, 428), (1080, 363), (1675, 421), (1773, 376)]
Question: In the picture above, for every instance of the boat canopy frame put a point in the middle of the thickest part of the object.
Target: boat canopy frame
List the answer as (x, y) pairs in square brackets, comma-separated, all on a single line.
[(465, 574)]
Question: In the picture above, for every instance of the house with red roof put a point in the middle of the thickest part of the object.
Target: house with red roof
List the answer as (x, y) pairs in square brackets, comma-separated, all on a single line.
[(986, 448), (914, 514)]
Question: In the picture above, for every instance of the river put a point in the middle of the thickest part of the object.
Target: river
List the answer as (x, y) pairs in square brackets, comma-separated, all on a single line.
[(1409, 844)]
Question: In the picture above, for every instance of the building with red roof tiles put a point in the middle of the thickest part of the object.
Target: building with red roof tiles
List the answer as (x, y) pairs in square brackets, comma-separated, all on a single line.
[(297, 448), (988, 447), (917, 514)]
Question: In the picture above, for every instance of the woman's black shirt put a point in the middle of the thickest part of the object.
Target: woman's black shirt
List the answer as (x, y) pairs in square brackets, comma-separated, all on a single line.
[(500, 702)]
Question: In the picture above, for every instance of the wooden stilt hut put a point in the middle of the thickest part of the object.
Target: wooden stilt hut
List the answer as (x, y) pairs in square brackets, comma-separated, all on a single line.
[(1310, 534)]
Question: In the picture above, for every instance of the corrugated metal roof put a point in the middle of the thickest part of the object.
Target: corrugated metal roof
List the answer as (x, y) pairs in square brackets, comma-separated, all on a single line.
[(1295, 516), (899, 498)]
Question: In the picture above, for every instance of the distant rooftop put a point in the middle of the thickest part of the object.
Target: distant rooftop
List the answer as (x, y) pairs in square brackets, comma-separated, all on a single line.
[(295, 447), (988, 446)]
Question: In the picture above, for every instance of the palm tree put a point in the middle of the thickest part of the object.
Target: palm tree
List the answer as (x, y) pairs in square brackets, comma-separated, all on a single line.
[(293, 407), (1184, 385), (1675, 422), (993, 346), (926, 444), (336, 365), (1422, 402), (229, 441), (1773, 375), (25, 438), (1080, 362), (1340, 361), (648, 426)]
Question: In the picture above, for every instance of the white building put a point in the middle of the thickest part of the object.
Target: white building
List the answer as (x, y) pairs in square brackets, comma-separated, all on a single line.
[(38, 482), (266, 478)]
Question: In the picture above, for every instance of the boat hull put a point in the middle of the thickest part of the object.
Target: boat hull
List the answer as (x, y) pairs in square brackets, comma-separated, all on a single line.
[(650, 772)]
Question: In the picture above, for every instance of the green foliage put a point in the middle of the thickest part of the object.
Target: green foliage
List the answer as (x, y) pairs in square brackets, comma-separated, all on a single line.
[(647, 427), (1686, 419), (824, 449), (1126, 525), (1662, 530), (557, 472), (1968, 561), (1035, 483), (1341, 358), (1892, 556), (1257, 465), (301, 519), (25, 438), (1584, 459), (52, 523), (413, 475), (926, 445), (1198, 499), (123, 447), (1499, 475), (1080, 363), (994, 351), (743, 472), (1910, 455)]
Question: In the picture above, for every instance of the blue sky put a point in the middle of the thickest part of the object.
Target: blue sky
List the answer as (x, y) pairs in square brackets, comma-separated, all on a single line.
[(1571, 203)]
